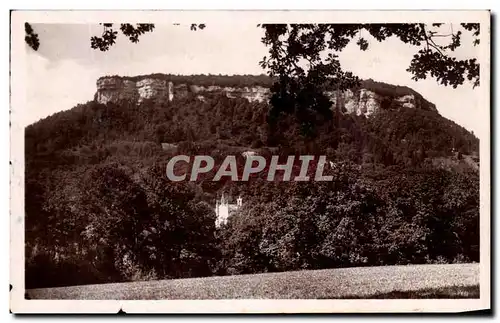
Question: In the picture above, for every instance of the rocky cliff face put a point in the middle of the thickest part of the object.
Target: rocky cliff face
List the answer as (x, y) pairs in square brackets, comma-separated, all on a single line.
[(362, 101), (114, 89), (152, 89), (252, 94), (367, 102)]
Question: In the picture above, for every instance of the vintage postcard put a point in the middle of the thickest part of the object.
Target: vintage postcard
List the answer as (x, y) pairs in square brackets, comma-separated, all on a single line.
[(250, 161)]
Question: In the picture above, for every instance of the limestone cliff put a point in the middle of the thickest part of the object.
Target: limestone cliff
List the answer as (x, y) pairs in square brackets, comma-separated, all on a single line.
[(114, 89), (254, 93), (152, 89), (365, 100)]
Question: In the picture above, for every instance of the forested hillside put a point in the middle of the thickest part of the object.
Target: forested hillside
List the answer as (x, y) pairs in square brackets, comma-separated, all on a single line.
[(99, 207)]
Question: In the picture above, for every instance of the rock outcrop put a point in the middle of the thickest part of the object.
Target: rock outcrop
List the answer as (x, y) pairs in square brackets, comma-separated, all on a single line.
[(367, 102), (361, 101), (114, 89), (152, 89), (252, 94)]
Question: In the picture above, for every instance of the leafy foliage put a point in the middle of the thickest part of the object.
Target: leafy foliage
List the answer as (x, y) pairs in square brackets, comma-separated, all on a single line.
[(303, 60), (31, 37), (289, 44), (109, 35), (296, 53)]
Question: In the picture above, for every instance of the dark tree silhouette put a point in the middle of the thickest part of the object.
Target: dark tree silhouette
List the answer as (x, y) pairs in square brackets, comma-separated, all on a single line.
[(31, 37), (109, 34), (302, 58), (291, 44)]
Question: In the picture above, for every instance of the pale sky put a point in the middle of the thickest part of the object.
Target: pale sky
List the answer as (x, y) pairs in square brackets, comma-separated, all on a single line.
[(63, 72)]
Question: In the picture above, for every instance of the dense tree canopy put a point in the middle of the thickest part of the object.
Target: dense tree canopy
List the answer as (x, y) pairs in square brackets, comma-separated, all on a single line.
[(303, 59)]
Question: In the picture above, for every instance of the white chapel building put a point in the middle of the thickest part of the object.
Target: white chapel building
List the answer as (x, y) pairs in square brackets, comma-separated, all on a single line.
[(223, 210)]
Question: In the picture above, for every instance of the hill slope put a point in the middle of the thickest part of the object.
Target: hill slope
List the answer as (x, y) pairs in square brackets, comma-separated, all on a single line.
[(100, 209)]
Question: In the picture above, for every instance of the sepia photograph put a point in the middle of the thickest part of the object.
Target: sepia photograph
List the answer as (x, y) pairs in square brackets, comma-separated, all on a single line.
[(250, 161)]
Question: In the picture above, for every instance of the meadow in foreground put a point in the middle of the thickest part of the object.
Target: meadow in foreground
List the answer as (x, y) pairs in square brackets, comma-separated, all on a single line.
[(414, 281)]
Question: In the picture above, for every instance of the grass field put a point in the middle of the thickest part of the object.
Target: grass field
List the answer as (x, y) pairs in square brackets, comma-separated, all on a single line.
[(415, 281)]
